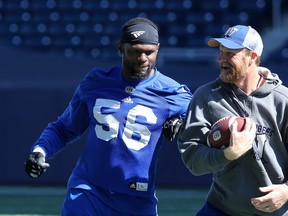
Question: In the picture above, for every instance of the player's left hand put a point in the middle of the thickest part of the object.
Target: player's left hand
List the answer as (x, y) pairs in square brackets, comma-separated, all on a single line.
[(276, 197), (171, 127), (35, 165)]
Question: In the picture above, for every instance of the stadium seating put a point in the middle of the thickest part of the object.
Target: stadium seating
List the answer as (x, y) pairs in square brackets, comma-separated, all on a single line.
[(58, 25), (278, 62)]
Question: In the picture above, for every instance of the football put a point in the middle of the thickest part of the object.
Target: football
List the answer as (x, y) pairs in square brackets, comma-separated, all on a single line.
[(219, 135)]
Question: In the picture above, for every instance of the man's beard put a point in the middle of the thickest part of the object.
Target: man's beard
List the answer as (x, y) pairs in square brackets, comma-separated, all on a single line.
[(231, 75), (134, 74)]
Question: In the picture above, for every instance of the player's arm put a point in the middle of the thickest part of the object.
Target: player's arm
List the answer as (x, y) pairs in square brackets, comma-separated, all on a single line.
[(178, 103), (69, 127)]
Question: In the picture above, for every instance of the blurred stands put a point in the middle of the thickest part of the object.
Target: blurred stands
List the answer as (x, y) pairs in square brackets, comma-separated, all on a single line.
[(91, 28), (277, 61), (47, 46)]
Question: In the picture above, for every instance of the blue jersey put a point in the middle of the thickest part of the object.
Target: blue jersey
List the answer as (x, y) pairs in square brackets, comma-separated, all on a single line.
[(124, 118)]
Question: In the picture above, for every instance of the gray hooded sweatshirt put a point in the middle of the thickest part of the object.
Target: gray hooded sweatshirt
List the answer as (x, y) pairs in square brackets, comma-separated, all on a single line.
[(236, 182)]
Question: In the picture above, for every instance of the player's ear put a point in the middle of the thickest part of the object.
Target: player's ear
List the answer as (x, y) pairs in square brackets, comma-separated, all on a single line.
[(120, 47)]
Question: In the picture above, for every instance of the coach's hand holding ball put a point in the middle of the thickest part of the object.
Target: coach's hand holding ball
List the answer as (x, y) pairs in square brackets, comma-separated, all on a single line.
[(35, 165), (240, 141)]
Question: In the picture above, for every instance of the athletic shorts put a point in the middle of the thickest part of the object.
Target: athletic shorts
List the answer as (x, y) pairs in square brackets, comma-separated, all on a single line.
[(80, 202), (209, 210)]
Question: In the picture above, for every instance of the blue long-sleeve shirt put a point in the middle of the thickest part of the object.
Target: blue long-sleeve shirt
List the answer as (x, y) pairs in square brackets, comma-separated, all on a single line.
[(124, 118)]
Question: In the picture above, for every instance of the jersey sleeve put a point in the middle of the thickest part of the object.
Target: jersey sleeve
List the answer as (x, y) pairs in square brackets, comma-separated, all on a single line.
[(178, 96), (179, 100), (66, 129)]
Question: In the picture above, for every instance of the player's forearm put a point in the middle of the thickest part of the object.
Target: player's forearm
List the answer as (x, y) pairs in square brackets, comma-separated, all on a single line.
[(52, 140)]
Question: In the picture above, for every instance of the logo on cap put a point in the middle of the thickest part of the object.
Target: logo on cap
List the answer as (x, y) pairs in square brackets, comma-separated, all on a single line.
[(230, 31), (136, 34)]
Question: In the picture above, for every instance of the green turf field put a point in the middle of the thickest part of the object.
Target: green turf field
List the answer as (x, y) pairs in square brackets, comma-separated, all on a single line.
[(47, 201)]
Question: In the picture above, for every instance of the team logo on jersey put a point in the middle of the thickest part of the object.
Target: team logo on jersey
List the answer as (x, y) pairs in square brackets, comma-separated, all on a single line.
[(129, 89), (137, 34)]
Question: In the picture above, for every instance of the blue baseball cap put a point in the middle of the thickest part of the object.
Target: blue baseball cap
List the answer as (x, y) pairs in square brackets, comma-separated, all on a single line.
[(239, 37)]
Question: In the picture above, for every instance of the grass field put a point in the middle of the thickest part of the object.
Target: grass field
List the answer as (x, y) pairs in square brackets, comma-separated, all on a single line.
[(47, 201)]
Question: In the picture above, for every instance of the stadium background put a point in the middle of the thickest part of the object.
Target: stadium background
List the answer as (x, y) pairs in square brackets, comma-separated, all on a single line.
[(47, 46)]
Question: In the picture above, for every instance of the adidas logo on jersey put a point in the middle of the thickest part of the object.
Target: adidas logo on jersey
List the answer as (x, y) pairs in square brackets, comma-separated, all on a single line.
[(127, 100), (136, 34), (132, 185)]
